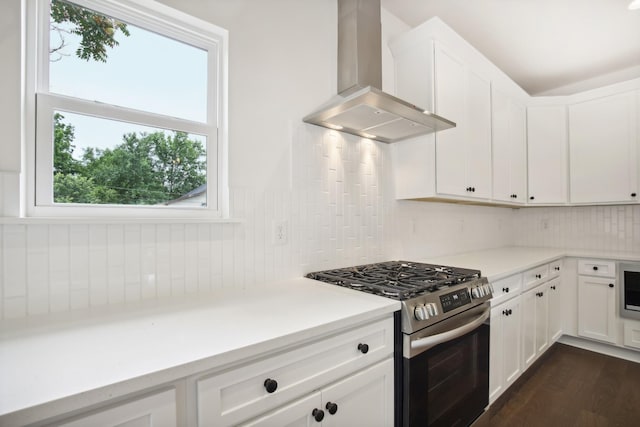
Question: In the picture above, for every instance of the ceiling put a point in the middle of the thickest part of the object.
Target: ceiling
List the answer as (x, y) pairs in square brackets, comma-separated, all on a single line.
[(548, 47)]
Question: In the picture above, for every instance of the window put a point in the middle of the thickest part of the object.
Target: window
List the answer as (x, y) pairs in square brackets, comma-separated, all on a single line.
[(128, 111)]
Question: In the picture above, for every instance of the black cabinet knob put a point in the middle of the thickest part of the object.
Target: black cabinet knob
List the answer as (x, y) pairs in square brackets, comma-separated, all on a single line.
[(331, 407), (510, 312), (364, 348), (473, 189), (557, 268), (538, 276), (505, 312), (595, 268), (317, 414), (505, 290), (531, 198), (270, 385), (633, 194), (553, 287), (468, 189), (611, 285)]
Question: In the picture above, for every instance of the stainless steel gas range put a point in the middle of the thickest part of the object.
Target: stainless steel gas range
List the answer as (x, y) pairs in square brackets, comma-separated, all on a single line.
[(442, 337)]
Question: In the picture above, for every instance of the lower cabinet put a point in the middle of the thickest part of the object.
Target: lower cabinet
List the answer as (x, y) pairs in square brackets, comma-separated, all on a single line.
[(535, 322), (556, 310), (365, 398), (156, 410), (597, 308), (505, 349), (280, 385)]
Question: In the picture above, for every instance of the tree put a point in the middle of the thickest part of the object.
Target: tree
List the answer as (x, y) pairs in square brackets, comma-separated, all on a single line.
[(145, 169), (97, 31)]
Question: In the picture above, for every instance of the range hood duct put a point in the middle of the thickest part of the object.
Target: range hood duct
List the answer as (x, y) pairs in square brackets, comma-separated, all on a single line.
[(361, 108)]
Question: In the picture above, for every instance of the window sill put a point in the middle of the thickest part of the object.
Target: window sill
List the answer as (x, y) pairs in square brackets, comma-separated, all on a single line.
[(115, 220)]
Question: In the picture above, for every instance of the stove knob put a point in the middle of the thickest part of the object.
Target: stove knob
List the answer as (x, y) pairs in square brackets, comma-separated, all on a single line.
[(475, 292), (421, 313), (432, 309), (487, 289)]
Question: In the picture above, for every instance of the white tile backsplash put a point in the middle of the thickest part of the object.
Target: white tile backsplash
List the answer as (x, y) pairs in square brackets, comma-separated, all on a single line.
[(608, 228), (339, 211)]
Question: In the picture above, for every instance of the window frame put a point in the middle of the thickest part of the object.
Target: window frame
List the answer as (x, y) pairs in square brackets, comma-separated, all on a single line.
[(40, 105)]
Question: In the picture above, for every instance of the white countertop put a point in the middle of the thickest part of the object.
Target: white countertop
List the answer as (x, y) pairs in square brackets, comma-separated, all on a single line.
[(497, 263), (120, 350)]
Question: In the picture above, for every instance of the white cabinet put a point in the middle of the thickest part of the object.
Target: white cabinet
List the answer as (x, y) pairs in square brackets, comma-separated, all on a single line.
[(156, 410), (463, 154), (535, 320), (506, 288), (603, 145), (509, 153), (632, 333), (254, 389), (556, 309), (597, 308), (365, 398), (505, 358), (535, 276), (547, 154)]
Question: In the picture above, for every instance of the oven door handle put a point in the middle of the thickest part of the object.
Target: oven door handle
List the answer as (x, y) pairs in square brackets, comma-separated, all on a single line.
[(433, 340)]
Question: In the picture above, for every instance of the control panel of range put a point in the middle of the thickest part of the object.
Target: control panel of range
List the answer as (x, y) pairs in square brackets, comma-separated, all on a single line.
[(454, 300)]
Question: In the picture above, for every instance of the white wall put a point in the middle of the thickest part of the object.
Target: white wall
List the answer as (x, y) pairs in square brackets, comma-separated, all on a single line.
[(332, 190)]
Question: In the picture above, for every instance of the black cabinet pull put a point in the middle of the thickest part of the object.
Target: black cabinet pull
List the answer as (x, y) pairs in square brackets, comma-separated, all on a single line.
[(595, 268), (633, 194), (611, 285), (553, 287), (505, 290), (538, 276), (364, 348), (557, 268), (317, 414), (270, 385), (531, 198), (331, 407), (473, 189), (505, 312)]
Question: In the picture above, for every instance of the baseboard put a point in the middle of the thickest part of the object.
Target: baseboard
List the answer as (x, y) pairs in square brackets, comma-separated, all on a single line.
[(598, 347)]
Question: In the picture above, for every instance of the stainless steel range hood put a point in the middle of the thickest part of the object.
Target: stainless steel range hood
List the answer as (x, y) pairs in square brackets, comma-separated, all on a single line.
[(361, 108)]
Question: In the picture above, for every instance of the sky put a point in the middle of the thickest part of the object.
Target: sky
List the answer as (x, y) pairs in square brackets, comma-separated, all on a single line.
[(145, 71)]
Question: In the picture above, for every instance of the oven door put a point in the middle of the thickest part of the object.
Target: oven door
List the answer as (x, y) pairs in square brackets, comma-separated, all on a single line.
[(446, 371)]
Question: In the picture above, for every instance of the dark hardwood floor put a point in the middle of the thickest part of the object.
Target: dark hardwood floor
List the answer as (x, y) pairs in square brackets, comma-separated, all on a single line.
[(569, 386)]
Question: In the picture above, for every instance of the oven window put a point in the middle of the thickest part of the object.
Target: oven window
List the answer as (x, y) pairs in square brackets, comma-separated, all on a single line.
[(448, 385)]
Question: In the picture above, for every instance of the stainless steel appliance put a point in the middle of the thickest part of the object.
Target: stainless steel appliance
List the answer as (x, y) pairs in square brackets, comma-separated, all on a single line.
[(442, 337), (629, 274)]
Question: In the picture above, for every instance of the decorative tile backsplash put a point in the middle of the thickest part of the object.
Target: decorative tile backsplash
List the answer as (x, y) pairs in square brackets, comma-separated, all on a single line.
[(338, 211), (608, 228)]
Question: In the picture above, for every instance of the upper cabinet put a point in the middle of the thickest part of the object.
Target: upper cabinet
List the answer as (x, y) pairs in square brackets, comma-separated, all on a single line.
[(509, 148), (463, 154), (437, 70), (603, 142), (547, 154)]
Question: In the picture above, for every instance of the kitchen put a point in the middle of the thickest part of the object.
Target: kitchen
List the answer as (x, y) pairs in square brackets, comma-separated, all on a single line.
[(332, 194)]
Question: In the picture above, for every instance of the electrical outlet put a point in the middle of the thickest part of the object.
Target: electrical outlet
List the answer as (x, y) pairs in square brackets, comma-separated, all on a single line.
[(280, 232)]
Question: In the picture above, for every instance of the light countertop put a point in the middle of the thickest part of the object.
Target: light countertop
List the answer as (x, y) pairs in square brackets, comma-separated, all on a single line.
[(497, 263), (96, 355)]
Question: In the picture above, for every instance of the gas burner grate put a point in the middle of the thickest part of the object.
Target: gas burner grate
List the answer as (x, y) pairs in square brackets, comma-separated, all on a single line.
[(397, 279)]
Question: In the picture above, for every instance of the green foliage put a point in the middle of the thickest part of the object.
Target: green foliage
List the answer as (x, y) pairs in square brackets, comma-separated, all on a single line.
[(145, 169), (97, 31)]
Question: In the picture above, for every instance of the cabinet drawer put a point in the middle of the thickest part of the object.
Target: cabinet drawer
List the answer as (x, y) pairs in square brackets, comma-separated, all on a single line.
[(506, 288), (157, 410), (243, 392), (596, 267), (555, 268), (535, 276), (632, 334)]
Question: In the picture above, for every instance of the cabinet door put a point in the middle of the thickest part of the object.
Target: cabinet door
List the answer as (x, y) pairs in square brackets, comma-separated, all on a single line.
[(547, 154), (157, 410), (478, 135), (556, 309), (534, 324), (603, 149), (528, 301), (512, 342), (596, 308), (496, 353), (508, 149), (450, 85), (363, 399), (542, 319), (297, 414)]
